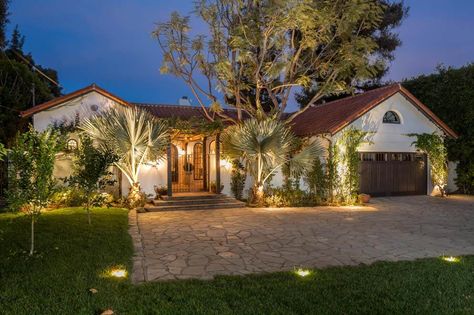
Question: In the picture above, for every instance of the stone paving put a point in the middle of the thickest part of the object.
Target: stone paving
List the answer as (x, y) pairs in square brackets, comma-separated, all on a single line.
[(202, 244)]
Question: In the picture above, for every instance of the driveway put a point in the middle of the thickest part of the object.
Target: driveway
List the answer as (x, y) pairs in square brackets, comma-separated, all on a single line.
[(202, 244)]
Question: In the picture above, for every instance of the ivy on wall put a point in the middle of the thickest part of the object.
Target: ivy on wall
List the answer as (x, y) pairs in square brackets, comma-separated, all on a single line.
[(237, 179), (433, 145), (348, 159)]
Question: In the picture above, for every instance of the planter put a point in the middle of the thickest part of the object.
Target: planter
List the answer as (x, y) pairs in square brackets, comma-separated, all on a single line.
[(364, 198)]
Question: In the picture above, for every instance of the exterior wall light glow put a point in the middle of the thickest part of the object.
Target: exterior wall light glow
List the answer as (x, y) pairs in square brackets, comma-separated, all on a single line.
[(226, 164), (451, 259)]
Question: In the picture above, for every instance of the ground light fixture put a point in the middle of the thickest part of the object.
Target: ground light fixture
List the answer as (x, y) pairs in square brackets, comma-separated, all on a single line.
[(451, 259), (302, 272), (118, 273)]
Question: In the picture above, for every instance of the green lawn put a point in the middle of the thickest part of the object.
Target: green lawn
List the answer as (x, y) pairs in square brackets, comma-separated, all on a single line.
[(74, 258)]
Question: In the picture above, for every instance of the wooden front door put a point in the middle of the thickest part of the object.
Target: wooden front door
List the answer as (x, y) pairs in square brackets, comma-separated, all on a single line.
[(392, 174)]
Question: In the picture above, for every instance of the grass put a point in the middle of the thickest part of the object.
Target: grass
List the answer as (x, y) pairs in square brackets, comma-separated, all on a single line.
[(73, 257)]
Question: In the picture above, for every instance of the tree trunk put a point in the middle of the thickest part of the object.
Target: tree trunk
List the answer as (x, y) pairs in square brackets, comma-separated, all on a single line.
[(258, 195), (32, 247), (135, 197), (88, 215)]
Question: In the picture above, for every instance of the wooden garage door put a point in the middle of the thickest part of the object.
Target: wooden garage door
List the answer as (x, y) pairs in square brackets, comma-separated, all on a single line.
[(391, 174)]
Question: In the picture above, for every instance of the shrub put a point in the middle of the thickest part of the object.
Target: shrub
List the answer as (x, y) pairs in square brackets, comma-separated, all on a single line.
[(433, 146), (317, 182), (160, 191), (284, 197), (237, 179), (67, 197)]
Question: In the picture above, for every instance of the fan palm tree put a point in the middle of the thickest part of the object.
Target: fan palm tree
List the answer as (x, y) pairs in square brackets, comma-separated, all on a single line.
[(265, 146), (134, 135)]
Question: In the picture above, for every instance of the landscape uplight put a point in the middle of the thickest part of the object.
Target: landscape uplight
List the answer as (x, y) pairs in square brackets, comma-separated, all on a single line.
[(302, 272), (451, 259), (118, 273)]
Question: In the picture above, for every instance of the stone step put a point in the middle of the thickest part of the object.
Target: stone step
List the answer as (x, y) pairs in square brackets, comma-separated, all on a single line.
[(172, 202), (195, 197), (193, 206)]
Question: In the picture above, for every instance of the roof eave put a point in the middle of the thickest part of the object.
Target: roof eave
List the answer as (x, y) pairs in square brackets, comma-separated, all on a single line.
[(68, 97)]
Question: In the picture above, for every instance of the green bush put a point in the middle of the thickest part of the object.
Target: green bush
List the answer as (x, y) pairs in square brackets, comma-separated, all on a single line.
[(317, 181), (237, 179), (284, 197), (74, 197)]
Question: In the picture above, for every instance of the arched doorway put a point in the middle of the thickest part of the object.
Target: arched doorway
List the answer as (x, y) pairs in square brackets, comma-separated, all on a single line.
[(187, 171)]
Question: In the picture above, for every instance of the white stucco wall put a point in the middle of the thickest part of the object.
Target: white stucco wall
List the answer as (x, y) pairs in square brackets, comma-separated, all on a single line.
[(151, 175), (68, 111), (394, 137)]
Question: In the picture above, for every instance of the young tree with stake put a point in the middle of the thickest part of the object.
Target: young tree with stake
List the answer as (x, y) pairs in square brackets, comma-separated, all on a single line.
[(30, 173), (91, 172)]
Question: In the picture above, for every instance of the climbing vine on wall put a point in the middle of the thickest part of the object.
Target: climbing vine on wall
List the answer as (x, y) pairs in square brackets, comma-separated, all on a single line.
[(348, 164), (433, 145)]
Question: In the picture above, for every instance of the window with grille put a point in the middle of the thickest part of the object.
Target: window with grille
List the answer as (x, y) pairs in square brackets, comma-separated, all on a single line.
[(174, 164), (198, 162), (391, 117)]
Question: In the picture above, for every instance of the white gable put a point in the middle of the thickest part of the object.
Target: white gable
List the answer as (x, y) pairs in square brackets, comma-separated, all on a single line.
[(393, 137), (67, 111)]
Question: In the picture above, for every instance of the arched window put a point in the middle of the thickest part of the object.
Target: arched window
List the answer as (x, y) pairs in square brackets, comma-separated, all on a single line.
[(391, 117), (198, 161), (71, 145), (212, 147)]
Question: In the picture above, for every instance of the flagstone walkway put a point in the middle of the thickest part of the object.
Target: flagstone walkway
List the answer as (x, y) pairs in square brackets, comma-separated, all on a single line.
[(202, 244)]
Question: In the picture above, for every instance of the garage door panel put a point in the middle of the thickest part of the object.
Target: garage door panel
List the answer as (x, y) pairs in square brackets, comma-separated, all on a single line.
[(385, 174)]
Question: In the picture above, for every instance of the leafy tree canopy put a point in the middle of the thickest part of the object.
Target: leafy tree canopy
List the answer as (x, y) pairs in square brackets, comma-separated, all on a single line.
[(449, 93), (387, 39), (18, 74), (3, 22), (270, 48)]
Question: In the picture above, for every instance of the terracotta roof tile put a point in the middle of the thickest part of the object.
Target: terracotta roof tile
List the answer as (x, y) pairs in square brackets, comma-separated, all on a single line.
[(331, 117), (328, 118), (91, 88), (181, 111)]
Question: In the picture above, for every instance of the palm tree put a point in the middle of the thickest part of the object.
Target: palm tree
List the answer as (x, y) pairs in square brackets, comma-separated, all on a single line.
[(265, 146), (134, 135)]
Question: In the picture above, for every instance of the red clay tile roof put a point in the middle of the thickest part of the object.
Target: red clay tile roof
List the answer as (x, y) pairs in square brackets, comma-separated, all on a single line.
[(328, 118), (91, 88), (182, 111), (331, 117)]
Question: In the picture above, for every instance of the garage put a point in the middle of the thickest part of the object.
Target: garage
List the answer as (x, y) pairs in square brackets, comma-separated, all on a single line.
[(393, 173)]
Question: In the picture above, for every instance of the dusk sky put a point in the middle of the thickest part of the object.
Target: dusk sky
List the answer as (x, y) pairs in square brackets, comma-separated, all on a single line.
[(109, 42)]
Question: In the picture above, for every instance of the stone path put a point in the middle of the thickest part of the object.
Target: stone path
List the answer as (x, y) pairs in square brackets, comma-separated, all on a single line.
[(202, 244)]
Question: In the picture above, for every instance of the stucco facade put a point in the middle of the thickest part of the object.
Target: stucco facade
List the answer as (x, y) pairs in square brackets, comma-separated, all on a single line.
[(382, 137)]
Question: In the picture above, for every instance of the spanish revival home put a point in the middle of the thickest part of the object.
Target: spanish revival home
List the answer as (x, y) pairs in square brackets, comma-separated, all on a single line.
[(390, 164)]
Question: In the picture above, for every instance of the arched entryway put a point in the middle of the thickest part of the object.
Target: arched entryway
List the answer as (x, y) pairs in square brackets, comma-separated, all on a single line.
[(187, 172)]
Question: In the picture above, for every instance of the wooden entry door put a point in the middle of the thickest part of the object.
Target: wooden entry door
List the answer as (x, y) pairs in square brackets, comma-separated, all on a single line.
[(392, 174)]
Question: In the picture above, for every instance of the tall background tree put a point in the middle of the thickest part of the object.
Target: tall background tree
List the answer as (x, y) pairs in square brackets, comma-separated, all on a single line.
[(269, 49), (387, 39), (18, 74), (449, 93)]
